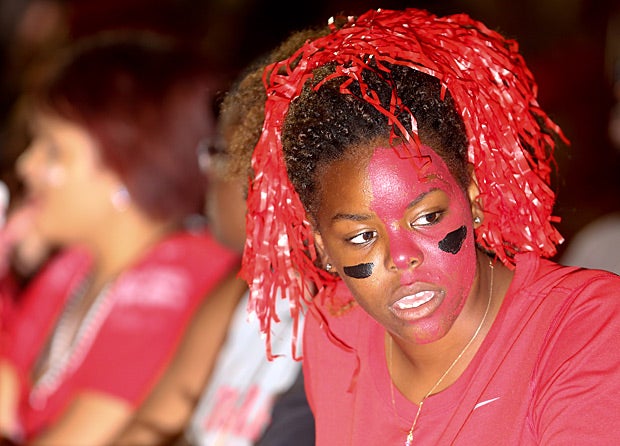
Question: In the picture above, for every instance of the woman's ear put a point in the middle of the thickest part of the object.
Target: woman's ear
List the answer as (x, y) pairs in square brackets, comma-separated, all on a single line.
[(320, 250), (473, 193)]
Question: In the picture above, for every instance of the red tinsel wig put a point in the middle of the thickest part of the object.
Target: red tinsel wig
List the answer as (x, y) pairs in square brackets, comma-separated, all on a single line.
[(511, 142)]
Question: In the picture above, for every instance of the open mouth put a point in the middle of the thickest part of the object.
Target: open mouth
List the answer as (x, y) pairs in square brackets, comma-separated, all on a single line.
[(415, 300)]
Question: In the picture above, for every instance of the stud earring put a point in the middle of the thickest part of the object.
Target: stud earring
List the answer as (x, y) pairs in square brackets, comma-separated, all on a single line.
[(120, 199), (328, 267), (477, 220)]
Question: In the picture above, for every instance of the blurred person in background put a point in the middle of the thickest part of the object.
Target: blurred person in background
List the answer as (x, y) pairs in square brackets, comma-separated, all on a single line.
[(112, 182), (29, 30), (221, 388)]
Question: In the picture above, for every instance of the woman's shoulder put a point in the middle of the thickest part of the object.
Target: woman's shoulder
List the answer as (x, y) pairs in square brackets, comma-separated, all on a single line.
[(192, 244), (539, 275), (179, 270), (547, 294), (565, 300), (583, 281), (60, 272), (194, 253)]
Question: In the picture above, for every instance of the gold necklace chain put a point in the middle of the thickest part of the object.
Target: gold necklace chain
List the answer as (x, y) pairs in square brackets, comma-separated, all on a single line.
[(409, 441)]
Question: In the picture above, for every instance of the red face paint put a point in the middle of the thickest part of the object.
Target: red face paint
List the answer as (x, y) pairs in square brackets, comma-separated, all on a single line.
[(399, 232), (428, 221)]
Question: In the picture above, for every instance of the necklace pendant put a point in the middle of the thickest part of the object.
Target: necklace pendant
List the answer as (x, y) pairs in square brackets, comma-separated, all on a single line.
[(409, 441)]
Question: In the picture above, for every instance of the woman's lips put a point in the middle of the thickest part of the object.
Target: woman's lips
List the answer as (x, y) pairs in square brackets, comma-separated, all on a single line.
[(417, 302), (414, 301)]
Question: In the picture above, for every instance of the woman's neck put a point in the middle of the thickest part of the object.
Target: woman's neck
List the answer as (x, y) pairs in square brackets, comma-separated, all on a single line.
[(417, 368), (119, 244)]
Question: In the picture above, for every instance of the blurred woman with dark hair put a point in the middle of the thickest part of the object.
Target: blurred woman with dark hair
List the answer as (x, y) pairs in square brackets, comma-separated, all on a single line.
[(112, 177)]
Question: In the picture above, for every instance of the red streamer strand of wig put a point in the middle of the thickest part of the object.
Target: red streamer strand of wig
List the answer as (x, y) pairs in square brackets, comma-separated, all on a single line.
[(495, 94)]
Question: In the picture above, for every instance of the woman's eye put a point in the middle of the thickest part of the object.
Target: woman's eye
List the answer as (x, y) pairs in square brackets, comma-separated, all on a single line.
[(363, 237), (428, 219)]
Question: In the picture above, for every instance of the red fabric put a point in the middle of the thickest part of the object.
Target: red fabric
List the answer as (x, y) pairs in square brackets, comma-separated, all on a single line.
[(8, 291), (547, 373), (151, 304)]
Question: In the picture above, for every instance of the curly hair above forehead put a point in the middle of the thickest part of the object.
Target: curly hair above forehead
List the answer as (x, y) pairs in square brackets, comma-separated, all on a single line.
[(242, 110), (323, 124)]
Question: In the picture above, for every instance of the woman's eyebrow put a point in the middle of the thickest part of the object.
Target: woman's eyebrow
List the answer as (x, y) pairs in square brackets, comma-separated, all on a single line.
[(365, 217), (421, 197), (351, 217)]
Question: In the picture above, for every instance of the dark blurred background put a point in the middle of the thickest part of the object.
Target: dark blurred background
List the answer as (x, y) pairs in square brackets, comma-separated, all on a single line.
[(572, 47)]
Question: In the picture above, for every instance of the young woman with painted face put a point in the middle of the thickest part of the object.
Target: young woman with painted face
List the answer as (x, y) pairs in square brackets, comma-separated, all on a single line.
[(405, 156), (112, 179)]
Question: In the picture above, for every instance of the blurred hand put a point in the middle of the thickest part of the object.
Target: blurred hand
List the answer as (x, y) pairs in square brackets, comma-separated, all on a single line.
[(18, 230)]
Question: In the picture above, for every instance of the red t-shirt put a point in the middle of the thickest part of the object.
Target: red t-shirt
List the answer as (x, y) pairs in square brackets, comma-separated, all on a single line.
[(548, 372), (135, 330)]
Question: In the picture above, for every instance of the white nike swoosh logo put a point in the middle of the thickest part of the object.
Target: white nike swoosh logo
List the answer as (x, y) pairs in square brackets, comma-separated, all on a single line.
[(484, 403)]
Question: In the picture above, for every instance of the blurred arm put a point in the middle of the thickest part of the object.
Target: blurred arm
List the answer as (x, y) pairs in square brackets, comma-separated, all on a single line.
[(9, 393), (92, 418)]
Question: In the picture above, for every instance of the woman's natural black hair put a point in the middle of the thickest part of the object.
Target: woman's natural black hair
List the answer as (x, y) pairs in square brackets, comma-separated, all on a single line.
[(323, 125), (242, 110)]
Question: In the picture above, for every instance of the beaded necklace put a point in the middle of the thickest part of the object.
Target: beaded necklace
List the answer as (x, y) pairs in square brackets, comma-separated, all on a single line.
[(67, 350)]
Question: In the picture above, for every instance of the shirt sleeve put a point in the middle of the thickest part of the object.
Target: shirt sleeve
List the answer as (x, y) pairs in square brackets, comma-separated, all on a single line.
[(578, 395)]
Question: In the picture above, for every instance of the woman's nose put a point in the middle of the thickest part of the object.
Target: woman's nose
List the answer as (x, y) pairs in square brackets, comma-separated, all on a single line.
[(26, 164), (404, 251), (23, 164)]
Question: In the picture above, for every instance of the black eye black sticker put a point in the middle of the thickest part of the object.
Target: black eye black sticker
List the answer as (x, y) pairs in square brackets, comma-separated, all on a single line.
[(453, 241), (361, 271)]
